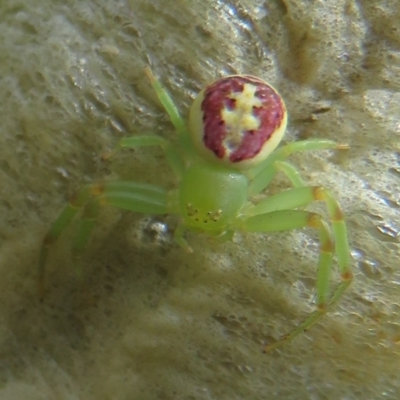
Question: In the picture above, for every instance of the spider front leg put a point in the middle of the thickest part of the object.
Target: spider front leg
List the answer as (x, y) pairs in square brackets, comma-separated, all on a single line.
[(278, 213), (132, 196)]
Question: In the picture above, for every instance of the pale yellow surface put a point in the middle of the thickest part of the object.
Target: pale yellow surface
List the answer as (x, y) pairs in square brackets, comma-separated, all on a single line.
[(155, 322)]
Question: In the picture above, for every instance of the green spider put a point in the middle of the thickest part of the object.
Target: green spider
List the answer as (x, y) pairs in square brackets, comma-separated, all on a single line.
[(224, 157)]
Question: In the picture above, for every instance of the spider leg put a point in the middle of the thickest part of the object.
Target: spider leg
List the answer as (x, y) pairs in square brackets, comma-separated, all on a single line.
[(180, 239), (291, 172), (167, 102), (173, 113), (131, 196), (86, 225), (263, 174), (277, 213), (171, 152)]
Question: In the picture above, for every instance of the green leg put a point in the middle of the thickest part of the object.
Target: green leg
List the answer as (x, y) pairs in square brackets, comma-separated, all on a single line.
[(286, 200), (263, 174), (292, 219), (180, 240), (172, 111), (172, 155), (131, 196), (291, 172), (167, 102), (86, 225), (59, 225), (275, 214)]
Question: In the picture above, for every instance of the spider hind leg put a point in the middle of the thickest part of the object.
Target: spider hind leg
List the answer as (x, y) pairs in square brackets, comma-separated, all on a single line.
[(280, 213), (132, 196)]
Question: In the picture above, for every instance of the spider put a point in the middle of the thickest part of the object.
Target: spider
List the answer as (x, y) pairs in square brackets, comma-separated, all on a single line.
[(226, 155)]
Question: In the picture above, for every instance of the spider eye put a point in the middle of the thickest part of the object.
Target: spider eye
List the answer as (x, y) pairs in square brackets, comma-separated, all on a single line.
[(237, 121)]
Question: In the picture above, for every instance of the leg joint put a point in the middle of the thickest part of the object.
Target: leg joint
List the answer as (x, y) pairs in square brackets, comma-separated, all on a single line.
[(314, 221), (319, 193)]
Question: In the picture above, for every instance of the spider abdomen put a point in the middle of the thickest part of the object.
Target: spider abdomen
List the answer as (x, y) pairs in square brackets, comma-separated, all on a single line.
[(237, 121)]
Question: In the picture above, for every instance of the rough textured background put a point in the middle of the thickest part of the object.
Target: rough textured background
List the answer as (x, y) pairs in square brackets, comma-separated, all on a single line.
[(154, 322)]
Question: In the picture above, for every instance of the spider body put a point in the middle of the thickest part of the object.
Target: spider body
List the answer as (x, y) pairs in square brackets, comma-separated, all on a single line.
[(224, 157)]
